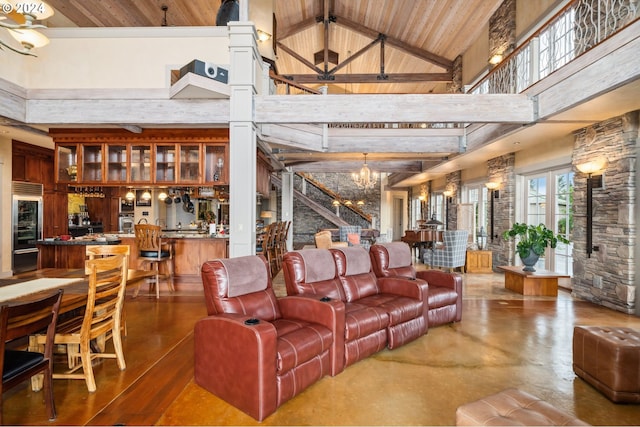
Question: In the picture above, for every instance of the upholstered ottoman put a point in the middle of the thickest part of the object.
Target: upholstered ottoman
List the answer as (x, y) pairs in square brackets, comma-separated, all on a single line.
[(513, 407), (608, 358)]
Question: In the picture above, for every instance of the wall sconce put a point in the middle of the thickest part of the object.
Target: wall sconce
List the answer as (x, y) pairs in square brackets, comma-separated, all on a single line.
[(263, 36), (495, 59), (596, 181), (495, 194)]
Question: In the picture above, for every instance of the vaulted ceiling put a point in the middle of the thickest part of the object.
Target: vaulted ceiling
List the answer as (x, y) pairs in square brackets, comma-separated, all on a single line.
[(352, 46), (420, 38)]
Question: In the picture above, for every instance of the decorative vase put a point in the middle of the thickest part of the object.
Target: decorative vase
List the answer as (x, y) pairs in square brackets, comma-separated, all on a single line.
[(530, 260)]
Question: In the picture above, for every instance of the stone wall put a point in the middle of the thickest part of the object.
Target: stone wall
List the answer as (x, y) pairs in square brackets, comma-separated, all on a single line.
[(502, 29), (454, 184), (502, 171), (607, 277), (306, 222)]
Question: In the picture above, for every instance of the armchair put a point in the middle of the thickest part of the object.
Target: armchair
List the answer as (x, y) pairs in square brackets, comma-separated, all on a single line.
[(254, 350), (445, 289), (452, 254), (323, 240)]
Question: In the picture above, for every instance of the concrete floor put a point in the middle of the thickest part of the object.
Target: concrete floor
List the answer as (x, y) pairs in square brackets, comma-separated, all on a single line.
[(504, 340)]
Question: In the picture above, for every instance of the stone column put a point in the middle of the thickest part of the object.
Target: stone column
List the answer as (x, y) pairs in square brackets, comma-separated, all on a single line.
[(608, 276), (502, 170)]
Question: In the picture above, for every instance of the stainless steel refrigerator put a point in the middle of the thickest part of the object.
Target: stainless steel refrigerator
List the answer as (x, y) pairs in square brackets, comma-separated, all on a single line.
[(26, 225)]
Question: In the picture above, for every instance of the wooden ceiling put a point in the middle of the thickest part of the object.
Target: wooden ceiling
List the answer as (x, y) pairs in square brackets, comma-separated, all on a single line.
[(421, 37)]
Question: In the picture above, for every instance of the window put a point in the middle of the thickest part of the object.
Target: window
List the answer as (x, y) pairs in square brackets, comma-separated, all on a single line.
[(478, 195)]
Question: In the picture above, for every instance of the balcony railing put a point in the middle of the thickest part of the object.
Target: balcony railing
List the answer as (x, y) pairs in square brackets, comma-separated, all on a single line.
[(578, 27)]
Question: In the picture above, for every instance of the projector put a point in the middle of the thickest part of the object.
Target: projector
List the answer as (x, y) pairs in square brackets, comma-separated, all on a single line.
[(206, 69)]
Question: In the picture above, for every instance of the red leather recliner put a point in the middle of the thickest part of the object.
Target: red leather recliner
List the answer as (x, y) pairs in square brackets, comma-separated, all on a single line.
[(254, 350), (389, 312), (445, 289)]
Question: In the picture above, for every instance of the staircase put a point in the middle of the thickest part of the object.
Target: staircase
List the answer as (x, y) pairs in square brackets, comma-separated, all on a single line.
[(312, 204)]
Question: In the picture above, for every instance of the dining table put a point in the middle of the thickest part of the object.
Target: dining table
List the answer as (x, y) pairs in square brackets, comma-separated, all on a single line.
[(74, 281)]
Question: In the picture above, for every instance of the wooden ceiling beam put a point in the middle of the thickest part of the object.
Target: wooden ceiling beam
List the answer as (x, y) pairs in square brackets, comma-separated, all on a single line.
[(295, 29), (418, 53), (300, 58), (373, 78)]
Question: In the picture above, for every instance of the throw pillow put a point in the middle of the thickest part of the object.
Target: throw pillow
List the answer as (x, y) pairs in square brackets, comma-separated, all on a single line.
[(353, 239)]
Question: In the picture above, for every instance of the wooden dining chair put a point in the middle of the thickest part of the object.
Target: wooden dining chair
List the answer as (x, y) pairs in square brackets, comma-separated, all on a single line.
[(153, 251), (101, 251), (19, 365), (101, 320)]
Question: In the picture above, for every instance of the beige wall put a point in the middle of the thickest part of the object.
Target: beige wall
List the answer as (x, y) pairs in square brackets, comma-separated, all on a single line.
[(529, 12), (477, 173), (476, 59), (546, 154), (108, 58), (261, 14)]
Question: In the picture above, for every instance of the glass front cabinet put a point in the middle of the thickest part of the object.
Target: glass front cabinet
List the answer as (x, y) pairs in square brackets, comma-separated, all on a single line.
[(165, 163), (66, 163), (215, 164), (117, 161), (163, 157), (140, 165), (91, 171), (190, 163)]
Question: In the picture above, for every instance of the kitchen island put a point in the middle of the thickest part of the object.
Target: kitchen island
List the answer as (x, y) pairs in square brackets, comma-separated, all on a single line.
[(56, 253), (190, 251)]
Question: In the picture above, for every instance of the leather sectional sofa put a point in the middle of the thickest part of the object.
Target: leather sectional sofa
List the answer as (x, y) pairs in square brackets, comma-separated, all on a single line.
[(256, 351), (379, 312)]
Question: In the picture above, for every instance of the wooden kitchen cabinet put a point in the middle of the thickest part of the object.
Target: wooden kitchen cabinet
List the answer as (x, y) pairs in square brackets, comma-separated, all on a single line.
[(140, 165), (91, 171), (165, 160), (66, 163), (189, 163), (116, 157), (117, 163), (215, 164)]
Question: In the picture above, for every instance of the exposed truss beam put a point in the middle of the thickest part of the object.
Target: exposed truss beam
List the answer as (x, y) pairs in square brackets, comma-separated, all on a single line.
[(417, 52)]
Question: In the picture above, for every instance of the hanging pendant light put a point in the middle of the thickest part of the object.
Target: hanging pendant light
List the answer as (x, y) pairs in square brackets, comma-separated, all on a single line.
[(130, 196), (365, 179)]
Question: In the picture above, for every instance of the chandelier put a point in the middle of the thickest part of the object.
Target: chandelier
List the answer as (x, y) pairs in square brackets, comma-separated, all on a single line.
[(365, 179), (17, 18)]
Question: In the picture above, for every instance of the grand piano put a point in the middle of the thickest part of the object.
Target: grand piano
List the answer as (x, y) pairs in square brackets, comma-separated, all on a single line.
[(421, 239)]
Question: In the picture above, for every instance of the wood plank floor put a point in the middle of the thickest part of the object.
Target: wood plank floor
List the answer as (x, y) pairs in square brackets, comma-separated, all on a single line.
[(504, 340)]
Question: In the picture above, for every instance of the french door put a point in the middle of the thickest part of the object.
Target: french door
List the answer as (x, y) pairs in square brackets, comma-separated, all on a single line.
[(549, 200)]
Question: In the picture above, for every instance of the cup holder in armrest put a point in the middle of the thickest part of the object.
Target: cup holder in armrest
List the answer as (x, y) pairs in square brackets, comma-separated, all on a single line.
[(325, 299), (252, 321)]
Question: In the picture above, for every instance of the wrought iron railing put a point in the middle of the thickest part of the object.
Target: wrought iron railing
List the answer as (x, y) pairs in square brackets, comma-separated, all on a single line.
[(578, 27)]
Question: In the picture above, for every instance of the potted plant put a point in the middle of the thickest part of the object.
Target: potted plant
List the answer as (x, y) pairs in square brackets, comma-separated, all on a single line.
[(533, 239)]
